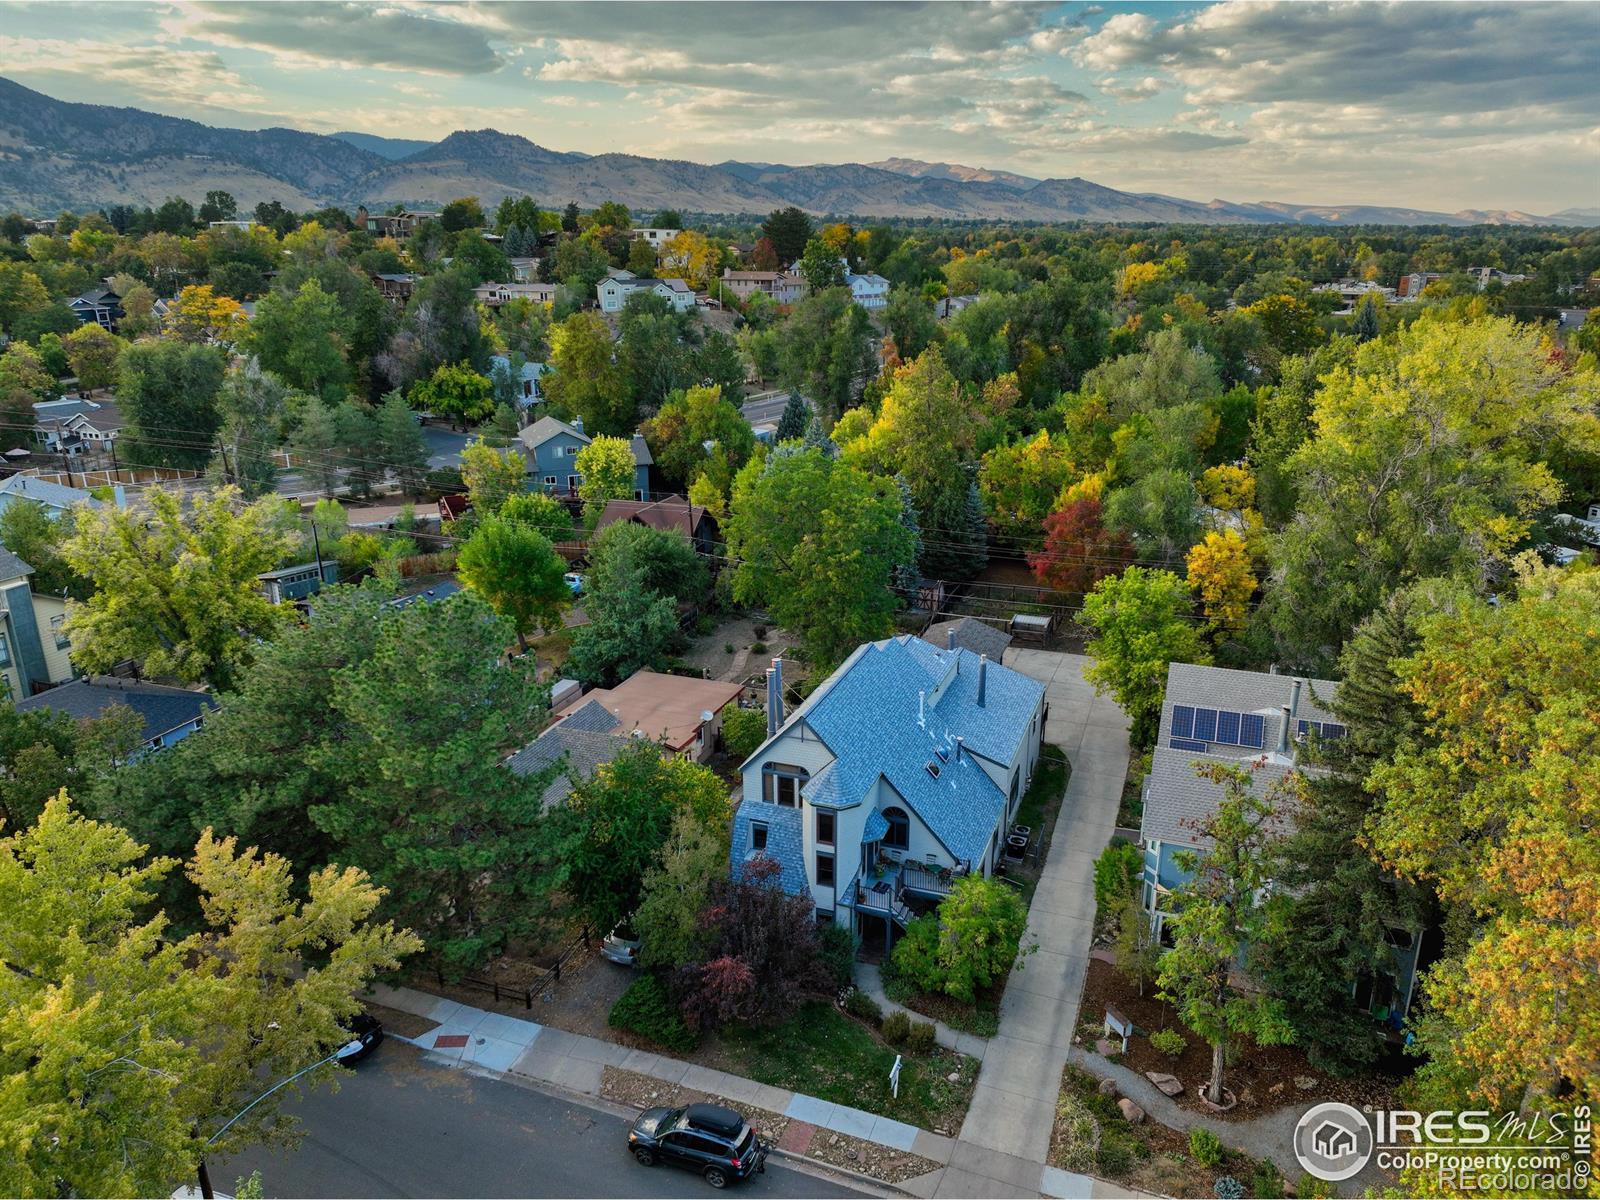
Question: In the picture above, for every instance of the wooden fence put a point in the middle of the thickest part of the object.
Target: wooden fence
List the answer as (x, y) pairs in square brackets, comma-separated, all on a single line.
[(526, 992)]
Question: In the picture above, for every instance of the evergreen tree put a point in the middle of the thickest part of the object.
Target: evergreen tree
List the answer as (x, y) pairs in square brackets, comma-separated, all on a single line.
[(400, 444), (906, 578), (796, 418), (1365, 326)]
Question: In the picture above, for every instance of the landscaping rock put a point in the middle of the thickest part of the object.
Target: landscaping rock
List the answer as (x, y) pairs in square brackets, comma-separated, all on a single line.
[(1108, 1086), (953, 1077), (1305, 1082), (1131, 1112), (1167, 1084)]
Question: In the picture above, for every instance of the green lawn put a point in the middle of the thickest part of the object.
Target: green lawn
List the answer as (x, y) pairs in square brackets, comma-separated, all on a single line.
[(981, 1018), (822, 1052)]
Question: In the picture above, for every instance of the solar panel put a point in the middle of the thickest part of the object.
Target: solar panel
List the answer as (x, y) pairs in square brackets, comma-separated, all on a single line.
[(1205, 724), (1252, 730), (1182, 721), (1228, 728), (1187, 744)]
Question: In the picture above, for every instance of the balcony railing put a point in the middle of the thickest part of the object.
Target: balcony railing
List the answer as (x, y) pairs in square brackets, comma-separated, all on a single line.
[(931, 881)]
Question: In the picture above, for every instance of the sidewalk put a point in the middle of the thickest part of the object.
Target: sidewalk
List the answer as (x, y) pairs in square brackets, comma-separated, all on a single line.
[(869, 978), (470, 1037)]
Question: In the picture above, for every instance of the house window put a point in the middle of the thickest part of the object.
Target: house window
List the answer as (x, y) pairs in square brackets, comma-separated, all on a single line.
[(824, 828), (5, 650), (570, 451), (62, 641), (825, 870), (898, 836), (781, 784), (550, 481), (758, 837)]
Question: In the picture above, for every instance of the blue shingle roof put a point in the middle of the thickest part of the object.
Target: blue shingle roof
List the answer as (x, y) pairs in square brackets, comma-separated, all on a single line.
[(867, 714), (785, 843), (877, 825)]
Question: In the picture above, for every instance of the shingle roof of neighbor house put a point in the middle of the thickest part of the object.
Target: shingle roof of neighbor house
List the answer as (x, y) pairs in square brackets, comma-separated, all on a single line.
[(12, 567), (55, 495), (593, 717), (163, 708), (672, 513), (867, 714), (664, 707), (583, 750), (545, 428), (971, 634), (1176, 799)]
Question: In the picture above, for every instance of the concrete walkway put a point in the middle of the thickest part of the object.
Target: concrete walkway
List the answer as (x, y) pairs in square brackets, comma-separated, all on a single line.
[(1013, 1108), (869, 978)]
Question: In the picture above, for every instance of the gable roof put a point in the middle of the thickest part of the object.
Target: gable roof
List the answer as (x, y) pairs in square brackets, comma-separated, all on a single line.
[(971, 634), (52, 495), (593, 717), (583, 751), (12, 567), (162, 708), (1177, 799), (672, 513), (664, 707), (541, 431), (889, 710)]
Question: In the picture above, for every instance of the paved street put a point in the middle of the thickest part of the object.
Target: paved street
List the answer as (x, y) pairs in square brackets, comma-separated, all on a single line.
[(400, 1126), (444, 445), (767, 410)]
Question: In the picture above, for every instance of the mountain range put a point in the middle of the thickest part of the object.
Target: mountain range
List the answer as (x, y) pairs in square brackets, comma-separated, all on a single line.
[(57, 154)]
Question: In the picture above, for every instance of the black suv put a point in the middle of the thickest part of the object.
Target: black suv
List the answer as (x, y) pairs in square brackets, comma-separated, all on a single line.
[(707, 1138)]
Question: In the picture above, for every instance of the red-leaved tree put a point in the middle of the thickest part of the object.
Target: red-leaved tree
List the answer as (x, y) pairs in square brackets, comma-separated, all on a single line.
[(763, 958), (1079, 551)]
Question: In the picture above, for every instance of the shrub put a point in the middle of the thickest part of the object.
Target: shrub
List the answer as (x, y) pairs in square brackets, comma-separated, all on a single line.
[(758, 647), (863, 1007), (727, 647), (922, 1037), (1266, 1182), (1169, 1041), (704, 625), (972, 943), (896, 1028), (645, 1009), (743, 729), (1114, 1157), (1227, 1188), (761, 631), (443, 481), (1315, 1189), (1116, 873), (1205, 1147), (838, 948)]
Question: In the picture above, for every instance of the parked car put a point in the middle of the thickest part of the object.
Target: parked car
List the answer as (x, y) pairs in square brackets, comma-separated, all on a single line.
[(574, 582), (366, 1034), (713, 1141), (621, 945)]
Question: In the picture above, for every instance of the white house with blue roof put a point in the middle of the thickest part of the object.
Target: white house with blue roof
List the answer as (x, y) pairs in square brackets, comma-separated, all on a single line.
[(899, 774)]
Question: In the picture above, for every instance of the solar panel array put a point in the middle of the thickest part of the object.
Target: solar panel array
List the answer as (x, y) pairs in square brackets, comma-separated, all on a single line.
[(1327, 730), (1217, 726)]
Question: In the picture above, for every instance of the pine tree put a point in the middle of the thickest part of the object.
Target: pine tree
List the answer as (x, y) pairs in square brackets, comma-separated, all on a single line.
[(817, 436), (400, 445), (1365, 326), (796, 418), (906, 578)]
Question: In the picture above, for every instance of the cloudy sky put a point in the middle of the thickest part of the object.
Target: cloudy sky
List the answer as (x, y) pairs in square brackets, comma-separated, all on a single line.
[(1433, 105)]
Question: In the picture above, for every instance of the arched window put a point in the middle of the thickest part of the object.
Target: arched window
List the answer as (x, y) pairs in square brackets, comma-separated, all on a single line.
[(899, 835)]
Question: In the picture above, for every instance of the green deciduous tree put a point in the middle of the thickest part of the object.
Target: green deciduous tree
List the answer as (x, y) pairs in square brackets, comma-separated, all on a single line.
[(630, 627), (92, 354), (492, 476), (615, 823), (607, 467), (300, 338), (673, 893), (585, 381), (456, 391), (29, 532), (254, 405), (124, 1049), (822, 266), (817, 544), (168, 395), (516, 569), (175, 584), (1141, 623), (679, 434), (970, 944), (1216, 917)]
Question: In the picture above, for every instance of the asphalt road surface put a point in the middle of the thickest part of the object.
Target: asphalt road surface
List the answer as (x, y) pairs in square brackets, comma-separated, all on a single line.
[(402, 1127), (765, 411)]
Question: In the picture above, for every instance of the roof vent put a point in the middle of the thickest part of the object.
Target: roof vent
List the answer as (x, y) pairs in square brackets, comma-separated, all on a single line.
[(933, 769)]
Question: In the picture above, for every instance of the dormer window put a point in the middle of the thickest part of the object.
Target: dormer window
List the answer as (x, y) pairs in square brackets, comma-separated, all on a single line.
[(781, 784)]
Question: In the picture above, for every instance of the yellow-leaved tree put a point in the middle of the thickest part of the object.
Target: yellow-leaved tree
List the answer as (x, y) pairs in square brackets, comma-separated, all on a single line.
[(1220, 573)]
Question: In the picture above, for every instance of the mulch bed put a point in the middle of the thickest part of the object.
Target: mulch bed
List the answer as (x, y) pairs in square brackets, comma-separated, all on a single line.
[(1262, 1077), (403, 1023), (820, 1145)]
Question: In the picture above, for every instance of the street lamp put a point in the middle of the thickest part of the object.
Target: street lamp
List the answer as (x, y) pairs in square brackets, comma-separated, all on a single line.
[(350, 1047)]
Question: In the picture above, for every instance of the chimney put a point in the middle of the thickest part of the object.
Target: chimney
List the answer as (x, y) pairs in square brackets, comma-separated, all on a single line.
[(577, 423), (983, 676), (960, 742), (772, 704), (1283, 733), (1294, 697), (950, 639), (777, 692)]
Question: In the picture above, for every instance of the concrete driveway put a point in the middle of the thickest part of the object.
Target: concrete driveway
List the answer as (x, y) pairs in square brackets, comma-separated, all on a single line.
[(1013, 1109)]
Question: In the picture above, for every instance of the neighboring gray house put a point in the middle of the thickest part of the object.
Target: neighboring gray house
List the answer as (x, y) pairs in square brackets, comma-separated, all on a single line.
[(73, 425), (581, 742), (299, 581), (614, 290), (526, 379), (551, 448), (1260, 722), (54, 498), (170, 714), (899, 774)]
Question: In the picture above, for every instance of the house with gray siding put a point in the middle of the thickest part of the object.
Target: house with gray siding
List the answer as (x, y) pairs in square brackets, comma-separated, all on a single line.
[(898, 775), (1261, 723)]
